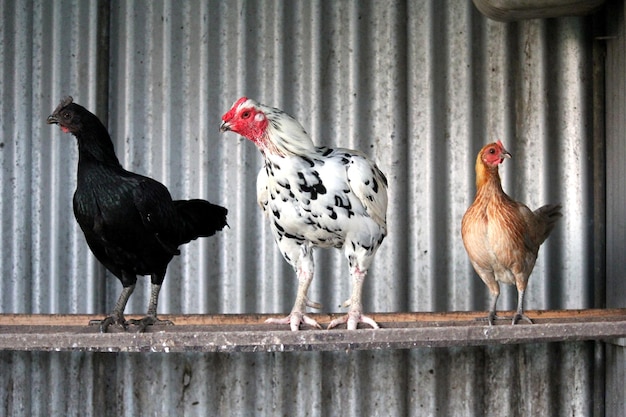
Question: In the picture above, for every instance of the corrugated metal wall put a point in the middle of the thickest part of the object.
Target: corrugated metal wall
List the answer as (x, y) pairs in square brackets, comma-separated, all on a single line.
[(616, 198), (418, 85)]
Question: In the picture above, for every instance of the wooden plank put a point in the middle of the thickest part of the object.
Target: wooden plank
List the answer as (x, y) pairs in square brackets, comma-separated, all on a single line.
[(248, 333), (324, 319)]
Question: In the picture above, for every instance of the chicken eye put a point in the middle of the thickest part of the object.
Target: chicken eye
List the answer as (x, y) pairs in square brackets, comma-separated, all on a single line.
[(245, 114), (67, 115), (492, 151)]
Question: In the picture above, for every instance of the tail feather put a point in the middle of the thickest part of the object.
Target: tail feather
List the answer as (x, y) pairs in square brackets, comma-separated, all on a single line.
[(199, 218), (548, 216)]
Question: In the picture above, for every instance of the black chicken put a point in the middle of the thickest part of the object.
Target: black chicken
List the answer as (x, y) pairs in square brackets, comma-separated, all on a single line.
[(130, 222)]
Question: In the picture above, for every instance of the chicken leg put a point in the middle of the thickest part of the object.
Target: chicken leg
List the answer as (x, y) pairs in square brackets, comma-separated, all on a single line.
[(117, 315), (355, 314), (297, 315), (519, 314), (151, 316)]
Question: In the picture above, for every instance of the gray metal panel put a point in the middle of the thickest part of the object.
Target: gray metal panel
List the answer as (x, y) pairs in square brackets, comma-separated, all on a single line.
[(616, 199), (615, 376), (49, 49), (543, 379), (616, 155), (420, 86)]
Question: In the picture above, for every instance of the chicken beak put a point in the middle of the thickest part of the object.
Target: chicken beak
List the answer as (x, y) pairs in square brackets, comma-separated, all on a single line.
[(504, 153), (52, 119), (225, 127)]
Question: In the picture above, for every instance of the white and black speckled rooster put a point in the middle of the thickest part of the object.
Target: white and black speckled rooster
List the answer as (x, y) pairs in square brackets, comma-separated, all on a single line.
[(314, 197)]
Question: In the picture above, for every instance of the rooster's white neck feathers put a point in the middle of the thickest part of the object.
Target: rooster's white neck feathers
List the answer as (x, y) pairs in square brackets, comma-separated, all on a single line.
[(283, 135)]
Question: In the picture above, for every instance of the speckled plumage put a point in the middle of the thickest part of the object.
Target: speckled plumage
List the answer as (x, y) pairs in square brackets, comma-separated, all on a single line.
[(314, 197)]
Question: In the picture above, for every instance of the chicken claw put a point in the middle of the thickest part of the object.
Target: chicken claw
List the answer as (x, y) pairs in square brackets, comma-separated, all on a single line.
[(108, 321), (353, 318), (143, 323), (294, 320), (491, 317), (521, 316)]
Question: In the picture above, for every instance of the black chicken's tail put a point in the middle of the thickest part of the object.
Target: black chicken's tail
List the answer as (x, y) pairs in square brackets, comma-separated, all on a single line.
[(199, 218)]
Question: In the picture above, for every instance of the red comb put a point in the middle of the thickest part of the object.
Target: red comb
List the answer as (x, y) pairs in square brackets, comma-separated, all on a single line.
[(230, 113)]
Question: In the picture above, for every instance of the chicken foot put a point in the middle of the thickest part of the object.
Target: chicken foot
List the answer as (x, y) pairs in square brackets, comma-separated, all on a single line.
[(151, 316), (355, 314), (519, 314), (117, 316), (297, 315)]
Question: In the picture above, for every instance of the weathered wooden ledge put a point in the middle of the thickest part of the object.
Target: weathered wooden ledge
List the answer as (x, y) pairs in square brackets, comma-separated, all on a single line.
[(249, 333)]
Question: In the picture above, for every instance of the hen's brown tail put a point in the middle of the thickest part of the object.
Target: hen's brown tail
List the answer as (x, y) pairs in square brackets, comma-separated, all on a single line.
[(548, 216)]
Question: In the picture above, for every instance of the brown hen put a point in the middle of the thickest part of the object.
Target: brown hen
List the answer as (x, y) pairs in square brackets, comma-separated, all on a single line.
[(502, 236)]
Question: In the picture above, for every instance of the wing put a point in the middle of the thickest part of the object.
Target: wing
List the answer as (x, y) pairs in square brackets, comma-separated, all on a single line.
[(369, 184), (157, 212)]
